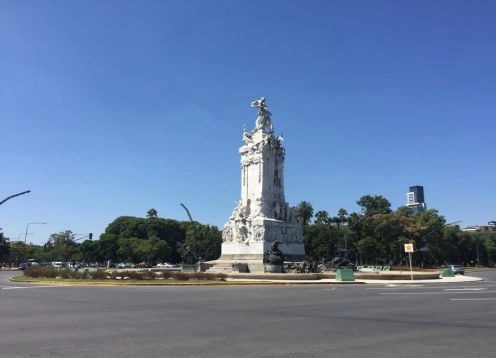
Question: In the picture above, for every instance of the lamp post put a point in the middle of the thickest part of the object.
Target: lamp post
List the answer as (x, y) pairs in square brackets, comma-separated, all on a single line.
[(27, 227), (13, 196)]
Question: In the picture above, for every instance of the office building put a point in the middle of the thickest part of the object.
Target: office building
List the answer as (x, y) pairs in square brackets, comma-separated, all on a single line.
[(415, 199)]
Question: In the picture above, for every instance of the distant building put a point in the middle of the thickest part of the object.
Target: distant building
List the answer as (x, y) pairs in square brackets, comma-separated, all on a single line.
[(491, 226), (415, 199)]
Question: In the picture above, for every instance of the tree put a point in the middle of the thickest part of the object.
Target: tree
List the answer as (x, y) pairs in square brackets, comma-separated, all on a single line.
[(204, 241), (374, 204), (342, 215), (152, 214), (4, 248), (341, 218), (320, 241), (61, 246), (322, 217), (304, 211)]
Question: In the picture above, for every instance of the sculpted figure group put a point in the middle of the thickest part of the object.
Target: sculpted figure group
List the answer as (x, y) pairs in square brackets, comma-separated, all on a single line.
[(263, 121)]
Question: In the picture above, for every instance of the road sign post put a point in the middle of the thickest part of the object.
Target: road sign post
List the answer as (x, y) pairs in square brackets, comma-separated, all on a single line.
[(409, 249)]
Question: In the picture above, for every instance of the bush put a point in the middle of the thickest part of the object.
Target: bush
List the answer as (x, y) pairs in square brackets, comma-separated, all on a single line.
[(166, 274), (133, 275), (181, 276), (148, 275), (204, 276), (99, 274), (102, 274), (85, 274), (41, 271), (68, 273), (221, 276)]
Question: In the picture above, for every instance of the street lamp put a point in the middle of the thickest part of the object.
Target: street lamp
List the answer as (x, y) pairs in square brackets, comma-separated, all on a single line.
[(27, 227), (13, 196)]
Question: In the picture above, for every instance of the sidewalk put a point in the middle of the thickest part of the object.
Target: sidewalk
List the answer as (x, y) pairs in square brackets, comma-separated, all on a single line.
[(456, 279)]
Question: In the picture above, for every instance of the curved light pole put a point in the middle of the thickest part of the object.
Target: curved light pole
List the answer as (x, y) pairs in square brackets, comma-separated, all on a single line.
[(13, 196), (27, 227)]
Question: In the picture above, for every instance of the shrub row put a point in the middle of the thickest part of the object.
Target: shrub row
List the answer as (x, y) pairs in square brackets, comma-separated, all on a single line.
[(102, 274)]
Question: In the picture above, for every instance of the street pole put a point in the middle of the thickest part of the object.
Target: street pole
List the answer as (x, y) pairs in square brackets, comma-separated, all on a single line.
[(13, 196), (411, 270), (27, 227)]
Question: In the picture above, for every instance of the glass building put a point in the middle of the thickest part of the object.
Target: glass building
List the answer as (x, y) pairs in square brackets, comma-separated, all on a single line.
[(415, 199)]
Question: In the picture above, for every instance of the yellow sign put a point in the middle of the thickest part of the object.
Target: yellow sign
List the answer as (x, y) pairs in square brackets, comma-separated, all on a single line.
[(408, 247)]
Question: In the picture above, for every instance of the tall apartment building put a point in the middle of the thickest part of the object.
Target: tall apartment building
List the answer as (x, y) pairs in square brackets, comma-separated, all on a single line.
[(415, 199)]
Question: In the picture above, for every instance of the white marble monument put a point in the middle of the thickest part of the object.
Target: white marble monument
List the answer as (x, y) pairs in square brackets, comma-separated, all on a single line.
[(262, 216)]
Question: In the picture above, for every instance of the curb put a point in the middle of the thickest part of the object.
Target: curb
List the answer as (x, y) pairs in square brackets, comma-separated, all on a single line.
[(250, 282)]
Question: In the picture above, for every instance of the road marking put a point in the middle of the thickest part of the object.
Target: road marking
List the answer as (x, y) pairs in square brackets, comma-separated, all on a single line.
[(19, 287), (466, 289), (330, 289), (395, 287), (434, 293), (473, 299)]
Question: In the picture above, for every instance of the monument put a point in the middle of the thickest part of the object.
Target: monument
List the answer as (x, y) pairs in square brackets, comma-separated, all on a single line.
[(262, 215)]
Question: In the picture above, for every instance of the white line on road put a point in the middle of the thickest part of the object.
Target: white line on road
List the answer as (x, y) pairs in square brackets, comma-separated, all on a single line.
[(473, 299), (466, 289), (434, 293), (19, 287), (395, 287)]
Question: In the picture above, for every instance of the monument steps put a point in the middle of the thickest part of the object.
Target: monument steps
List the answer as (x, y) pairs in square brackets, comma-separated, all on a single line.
[(220, 268)]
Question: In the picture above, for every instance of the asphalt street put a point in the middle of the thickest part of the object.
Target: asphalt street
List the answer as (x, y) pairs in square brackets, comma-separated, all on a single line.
[(386, 320)]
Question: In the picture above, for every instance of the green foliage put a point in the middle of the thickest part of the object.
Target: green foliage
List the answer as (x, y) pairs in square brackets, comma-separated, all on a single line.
[(99, 274), (41, 271), (4, 248), (304, 212), (152, 214), (68, 273), (203, 240), (166, 274), (322, 217), (374, 204), (129, 274), (61, 246), (205, 276), (135, 275), (320, 241), (181, 276), (377, 235)]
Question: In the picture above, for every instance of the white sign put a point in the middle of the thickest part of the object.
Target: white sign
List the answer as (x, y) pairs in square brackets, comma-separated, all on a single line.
[(408, 247)]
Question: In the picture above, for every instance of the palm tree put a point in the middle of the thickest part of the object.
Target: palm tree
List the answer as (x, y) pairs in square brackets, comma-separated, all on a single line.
[(342, 216), (152, 214), (322, 217), (304, 212)]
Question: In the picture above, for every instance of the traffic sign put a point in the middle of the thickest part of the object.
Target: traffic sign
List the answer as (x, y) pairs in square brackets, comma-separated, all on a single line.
[(408, 247)]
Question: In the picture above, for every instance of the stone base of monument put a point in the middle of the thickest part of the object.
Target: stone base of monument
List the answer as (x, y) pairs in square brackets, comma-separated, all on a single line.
[(237, 252), (269, 268), (234, 266)]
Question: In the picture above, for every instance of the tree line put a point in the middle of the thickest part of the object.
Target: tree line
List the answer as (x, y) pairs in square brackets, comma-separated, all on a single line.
[(377, 234), (374, 235), (127, 239)]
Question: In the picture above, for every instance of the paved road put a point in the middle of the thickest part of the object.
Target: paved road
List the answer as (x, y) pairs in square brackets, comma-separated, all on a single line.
[(421, 320)]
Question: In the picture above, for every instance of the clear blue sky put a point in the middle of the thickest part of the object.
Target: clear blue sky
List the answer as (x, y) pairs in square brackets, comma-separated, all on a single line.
[(110, 108)]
